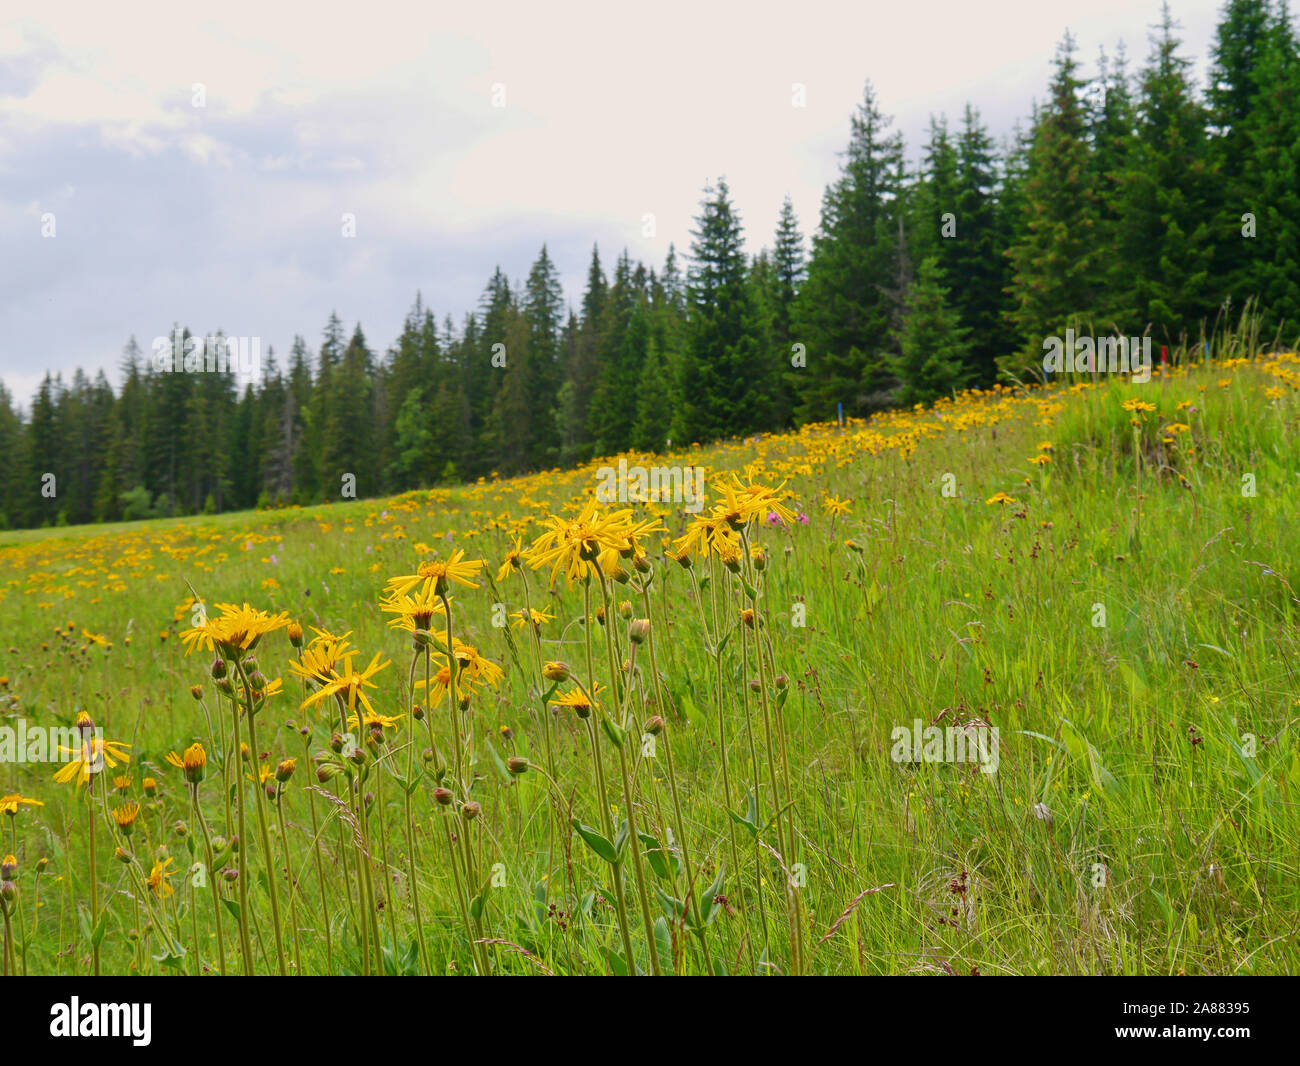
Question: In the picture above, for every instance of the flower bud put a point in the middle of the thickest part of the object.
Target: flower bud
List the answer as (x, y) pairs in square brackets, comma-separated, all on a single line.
[(295, 634), (556, 671), (285, 770), (197, 692), (471, 810), (442, 796), (218, 669), (517, 765), (638, 630), (9, 868), (655, 725)]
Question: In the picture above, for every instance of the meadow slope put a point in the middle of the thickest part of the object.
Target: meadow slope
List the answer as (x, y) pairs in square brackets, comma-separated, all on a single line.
[(1103, 573)]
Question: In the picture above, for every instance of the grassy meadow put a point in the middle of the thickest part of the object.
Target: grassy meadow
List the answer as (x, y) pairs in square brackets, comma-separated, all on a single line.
[(677, 753)]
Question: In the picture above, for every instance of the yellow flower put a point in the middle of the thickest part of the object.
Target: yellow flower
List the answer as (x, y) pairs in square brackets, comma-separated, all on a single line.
[(511, 562), (322, 657), (90, 755), (159, 878), (573, 545), (835, 507), (235, 630), (373, 718), (577, 699), (435, 576), (414, 610), (1000, 497), (10, 803), (1040, 460), (352, 682), (125, 816), (192, 762), (525, 615)]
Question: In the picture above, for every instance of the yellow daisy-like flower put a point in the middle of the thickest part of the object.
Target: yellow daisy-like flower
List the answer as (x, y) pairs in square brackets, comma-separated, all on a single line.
[(1134, 404), (1040, 460), (91, 755), (414, 611), (511, 562), (573, 545), (437, 575), (526, 615), (704, 534), (322, 657), (125, 816), (349, 681), (10, 803), (1000, 497), (192, 762), (373, 718), (235, 630), (159, 878), (577, 699)]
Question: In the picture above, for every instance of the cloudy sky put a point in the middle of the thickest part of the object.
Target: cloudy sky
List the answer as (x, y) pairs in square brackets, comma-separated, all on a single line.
[(229, 215)]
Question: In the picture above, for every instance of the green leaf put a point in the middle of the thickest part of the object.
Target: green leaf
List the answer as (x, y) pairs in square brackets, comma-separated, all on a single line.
[(615, 733), (599, 844), (663, 862), (663, 941), (232, 907), (477, 904), (673, 907)]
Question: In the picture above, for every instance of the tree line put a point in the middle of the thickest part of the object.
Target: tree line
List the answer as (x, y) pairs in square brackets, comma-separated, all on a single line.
[(1130, 202)]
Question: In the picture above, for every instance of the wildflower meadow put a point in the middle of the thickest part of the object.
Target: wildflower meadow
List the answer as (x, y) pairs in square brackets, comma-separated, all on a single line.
[(1002, 685)]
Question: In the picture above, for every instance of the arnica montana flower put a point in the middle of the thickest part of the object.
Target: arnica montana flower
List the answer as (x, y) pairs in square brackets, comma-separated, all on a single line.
[(234, 631), (159, 878), (350, 681), (192, 762), (572, 546), (437, 576), (91, 755), (10, 803)]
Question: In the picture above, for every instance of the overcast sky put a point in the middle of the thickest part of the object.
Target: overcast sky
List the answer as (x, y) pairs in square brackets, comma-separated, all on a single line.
[(229, 215)]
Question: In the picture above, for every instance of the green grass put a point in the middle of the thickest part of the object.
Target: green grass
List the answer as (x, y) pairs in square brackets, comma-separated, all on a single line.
[(1128, 829)]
